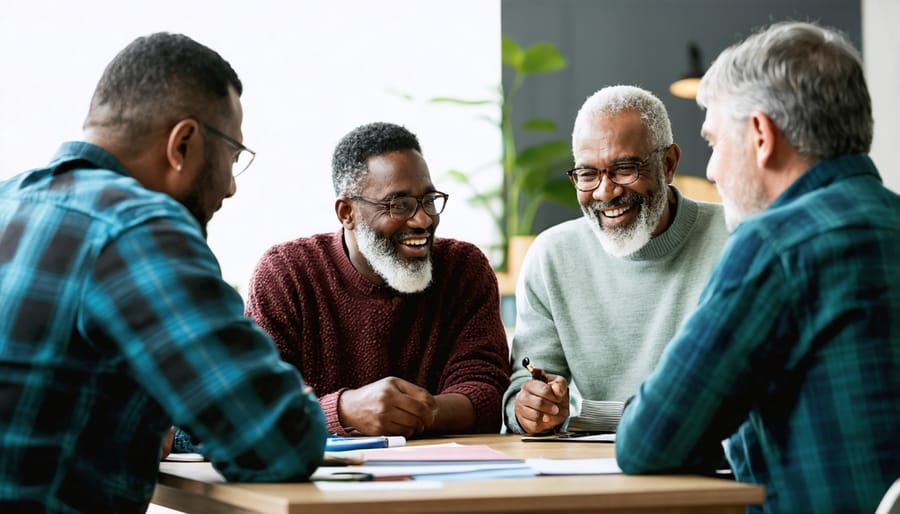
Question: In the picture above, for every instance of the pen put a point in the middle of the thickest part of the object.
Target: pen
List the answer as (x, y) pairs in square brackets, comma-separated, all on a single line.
[(339, 444), (347, 476), (536, 373)]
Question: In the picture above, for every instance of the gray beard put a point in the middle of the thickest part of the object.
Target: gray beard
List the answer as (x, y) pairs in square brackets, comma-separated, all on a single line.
[(621, 242), (404, 276)]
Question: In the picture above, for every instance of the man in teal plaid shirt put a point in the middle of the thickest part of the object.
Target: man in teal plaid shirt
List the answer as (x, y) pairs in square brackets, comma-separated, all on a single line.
[(116, 322), (793, 354)]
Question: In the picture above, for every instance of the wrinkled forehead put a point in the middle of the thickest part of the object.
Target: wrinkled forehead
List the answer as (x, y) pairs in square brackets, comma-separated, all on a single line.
[(398, 173), (608, 137)]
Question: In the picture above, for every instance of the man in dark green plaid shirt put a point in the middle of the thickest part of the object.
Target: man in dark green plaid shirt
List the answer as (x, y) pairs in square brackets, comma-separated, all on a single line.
[(793, 354), (115, 322)]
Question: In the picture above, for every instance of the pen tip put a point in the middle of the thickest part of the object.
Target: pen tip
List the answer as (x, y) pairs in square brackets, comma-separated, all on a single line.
[(526, 361)]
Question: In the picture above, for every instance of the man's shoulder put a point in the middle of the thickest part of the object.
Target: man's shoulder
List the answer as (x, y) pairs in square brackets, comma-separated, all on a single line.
[(106, 196), (564, 236), (711, 217), (456, 249), (315, 246)]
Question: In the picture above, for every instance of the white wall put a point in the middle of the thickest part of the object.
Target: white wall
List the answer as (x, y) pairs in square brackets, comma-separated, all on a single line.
[(881, 48), (312, 70)]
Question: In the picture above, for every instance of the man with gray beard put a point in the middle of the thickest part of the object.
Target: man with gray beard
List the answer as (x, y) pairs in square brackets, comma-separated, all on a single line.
[(599, 297), (398, 332)]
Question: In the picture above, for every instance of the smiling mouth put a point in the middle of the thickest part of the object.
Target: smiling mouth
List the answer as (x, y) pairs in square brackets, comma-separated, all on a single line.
[(615, 213), (415, 242)]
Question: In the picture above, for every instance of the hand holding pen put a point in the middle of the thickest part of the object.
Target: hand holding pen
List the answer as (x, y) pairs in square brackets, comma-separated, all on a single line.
[(536, 373), (542, 403)]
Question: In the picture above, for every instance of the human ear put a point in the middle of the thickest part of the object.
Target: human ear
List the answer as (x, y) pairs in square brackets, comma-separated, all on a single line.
[(764, 133), (346, 214), (670, 161), (180, 144)]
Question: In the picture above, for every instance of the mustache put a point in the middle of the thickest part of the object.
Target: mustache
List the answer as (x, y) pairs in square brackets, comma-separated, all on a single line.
[(619, 201)]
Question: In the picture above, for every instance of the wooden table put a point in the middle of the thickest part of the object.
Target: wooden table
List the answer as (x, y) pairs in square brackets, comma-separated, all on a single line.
[(196, 487)]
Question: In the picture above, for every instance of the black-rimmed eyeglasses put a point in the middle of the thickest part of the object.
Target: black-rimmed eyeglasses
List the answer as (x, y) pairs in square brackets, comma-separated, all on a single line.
[(623, 173), (405, 207), (243, 156)]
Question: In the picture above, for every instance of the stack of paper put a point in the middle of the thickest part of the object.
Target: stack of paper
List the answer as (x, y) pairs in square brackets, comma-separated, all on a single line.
[(451, 453), (443, 462), (596, 416), (393, 467)]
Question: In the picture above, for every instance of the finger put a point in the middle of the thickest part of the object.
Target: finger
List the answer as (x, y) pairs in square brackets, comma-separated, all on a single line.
[(537, 393), (416, 392), (540, 405)]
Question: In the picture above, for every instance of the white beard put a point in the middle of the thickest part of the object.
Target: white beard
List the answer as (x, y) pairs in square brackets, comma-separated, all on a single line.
[(404, 276), (746, 200), (621, 242)]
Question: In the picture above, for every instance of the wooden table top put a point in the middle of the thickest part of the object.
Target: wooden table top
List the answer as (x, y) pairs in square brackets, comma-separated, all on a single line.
[(197, 487)]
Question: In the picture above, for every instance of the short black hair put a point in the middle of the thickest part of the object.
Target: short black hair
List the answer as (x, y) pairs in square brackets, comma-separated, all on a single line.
[(348, 165), (159, 79)]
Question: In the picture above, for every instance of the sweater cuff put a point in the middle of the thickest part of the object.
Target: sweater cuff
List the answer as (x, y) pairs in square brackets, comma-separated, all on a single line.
[(329, 403)]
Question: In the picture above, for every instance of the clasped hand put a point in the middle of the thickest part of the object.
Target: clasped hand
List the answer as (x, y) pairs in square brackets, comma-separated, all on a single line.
[(542, 406), (390, 406)]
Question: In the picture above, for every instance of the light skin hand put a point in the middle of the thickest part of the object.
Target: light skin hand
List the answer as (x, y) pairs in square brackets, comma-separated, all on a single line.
[(390, 406), (542, 406)]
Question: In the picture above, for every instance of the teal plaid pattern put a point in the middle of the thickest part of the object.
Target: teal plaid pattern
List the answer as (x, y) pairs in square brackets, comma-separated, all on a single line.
[(793, 354)]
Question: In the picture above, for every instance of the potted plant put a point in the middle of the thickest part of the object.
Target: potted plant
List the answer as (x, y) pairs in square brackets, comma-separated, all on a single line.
[(531, 174)]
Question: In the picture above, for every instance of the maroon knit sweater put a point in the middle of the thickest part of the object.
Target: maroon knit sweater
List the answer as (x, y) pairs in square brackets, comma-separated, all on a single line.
[(343, 332)]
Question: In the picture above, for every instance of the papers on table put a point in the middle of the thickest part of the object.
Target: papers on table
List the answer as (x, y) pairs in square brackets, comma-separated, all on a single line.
[(571, 437), (575, 466), (455, 462), (184, 457), (435, 454)]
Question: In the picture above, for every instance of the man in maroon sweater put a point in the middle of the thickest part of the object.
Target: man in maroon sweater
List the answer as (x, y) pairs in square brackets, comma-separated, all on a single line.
[(398, 333)]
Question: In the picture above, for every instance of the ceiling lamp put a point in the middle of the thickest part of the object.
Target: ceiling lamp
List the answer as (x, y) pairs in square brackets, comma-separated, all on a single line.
[(686, 86)]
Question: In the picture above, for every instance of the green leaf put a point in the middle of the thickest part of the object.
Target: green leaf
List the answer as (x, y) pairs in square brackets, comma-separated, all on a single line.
[(458, 176), (459, 101), (543, 154), (540, 125), (542, 58), (402, 94), (561, 192), (511, 53)]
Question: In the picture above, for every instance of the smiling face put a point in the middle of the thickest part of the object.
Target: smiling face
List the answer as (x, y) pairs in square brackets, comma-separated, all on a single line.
[(393, 250), (624, 218)]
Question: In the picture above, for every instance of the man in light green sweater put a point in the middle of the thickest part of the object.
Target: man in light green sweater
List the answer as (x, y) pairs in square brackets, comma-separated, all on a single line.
[(599, 297)]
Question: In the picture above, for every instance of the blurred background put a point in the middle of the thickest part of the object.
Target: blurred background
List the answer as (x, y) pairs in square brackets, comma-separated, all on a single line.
[(313, 70)]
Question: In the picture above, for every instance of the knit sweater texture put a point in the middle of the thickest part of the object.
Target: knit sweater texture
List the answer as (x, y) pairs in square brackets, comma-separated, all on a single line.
[(603, 321), (343, 332)]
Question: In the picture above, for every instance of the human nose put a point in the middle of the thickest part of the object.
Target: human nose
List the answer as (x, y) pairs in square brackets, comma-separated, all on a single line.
[(420, 218), (232, 189), (606, 190)]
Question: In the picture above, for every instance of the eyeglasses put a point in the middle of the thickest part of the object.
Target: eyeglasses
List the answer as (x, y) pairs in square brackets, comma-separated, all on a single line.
[(405, 207), (623, 173), (243, 157)]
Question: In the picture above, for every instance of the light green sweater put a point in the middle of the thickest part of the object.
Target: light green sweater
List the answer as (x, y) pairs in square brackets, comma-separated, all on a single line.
[(603, 321)]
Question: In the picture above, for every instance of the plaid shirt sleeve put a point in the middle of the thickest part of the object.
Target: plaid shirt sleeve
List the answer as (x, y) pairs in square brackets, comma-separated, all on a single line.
[(792, 355), (156, 297)]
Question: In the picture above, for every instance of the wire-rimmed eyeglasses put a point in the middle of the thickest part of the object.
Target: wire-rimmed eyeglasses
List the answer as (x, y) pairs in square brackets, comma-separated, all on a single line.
[(623, 173), (243, 156), (405, 207)]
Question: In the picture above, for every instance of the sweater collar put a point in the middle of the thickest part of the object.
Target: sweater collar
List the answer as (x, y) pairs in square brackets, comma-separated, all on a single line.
[(346, 267), (686, 213)]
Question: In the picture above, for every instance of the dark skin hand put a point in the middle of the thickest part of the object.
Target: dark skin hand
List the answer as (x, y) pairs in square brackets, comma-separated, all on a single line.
[(390, 406), (542, 406)]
